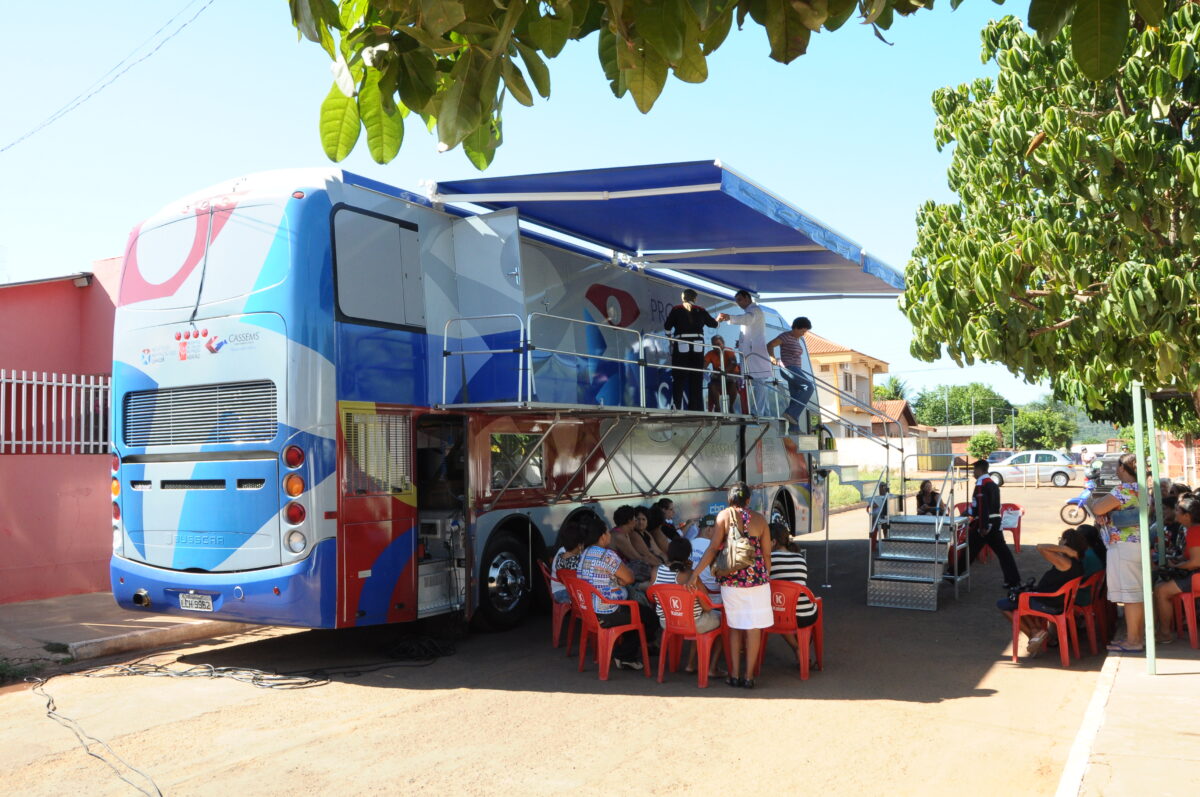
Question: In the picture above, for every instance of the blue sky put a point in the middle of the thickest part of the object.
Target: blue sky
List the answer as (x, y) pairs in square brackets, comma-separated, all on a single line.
[(844, 132)]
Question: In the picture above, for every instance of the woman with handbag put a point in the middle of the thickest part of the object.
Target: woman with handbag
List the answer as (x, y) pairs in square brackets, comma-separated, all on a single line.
[(741, 548), (1117, 514)]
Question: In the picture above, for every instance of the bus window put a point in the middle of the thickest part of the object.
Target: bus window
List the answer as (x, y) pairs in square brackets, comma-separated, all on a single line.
[(508, 452), (377, 264)]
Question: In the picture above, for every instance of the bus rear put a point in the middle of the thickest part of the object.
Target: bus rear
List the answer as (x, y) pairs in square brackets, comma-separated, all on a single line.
[(223, 476)]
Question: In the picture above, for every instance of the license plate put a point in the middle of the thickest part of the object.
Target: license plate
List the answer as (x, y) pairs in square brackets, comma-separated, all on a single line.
[(194, 602)]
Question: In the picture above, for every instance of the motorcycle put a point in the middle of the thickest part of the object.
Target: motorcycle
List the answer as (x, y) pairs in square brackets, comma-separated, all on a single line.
[(1076, 510)]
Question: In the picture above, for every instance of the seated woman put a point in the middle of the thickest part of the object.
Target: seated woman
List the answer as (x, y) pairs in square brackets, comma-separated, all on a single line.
[(656, 529), (1094, 559), (569, 547), (678, 570), (1067, 561), (601, 567), (929, 501), (1187, 512), (787, 565)]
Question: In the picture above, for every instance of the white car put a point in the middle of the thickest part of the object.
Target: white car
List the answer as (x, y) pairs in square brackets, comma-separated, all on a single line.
[(1034, 466)]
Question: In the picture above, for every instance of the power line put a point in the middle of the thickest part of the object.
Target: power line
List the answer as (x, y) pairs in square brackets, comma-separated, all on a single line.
[(94, 89)]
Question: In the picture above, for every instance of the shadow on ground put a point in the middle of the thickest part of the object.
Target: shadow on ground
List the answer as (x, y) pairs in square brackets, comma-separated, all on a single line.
[(871, 653)]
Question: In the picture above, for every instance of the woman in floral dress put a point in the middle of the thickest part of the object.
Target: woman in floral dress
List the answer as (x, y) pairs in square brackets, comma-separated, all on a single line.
[(745, 593)]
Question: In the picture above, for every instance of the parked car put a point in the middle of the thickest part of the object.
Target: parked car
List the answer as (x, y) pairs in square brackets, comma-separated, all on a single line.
[(999, 456), (1051, 466)]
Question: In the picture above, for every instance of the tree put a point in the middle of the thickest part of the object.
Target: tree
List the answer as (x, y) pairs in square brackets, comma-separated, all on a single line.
[(454, 62), (1039, 429), (1071, 254), (892, 389), (982, 444), (958, 404)]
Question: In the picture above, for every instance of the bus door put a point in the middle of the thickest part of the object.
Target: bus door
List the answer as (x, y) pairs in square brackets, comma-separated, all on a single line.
[(443, 550), (491, 302), (377, 516)]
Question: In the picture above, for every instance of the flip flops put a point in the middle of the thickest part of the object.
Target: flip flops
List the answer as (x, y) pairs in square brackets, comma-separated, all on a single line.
[(1125, 647)]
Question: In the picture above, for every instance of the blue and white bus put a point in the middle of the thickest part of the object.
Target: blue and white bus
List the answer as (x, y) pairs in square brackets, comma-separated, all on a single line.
[(339, 403)]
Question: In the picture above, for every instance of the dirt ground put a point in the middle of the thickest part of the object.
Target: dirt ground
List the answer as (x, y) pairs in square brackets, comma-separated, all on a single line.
[(910, 702)]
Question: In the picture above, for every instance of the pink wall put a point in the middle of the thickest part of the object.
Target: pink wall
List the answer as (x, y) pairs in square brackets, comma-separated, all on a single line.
[(55, 525), (55, 327)]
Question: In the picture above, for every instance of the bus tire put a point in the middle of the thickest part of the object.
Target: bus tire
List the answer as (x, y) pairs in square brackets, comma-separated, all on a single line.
[(782, 506), (505, 583)]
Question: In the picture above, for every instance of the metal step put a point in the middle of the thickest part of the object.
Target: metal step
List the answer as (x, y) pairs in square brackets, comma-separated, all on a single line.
[(902, 593), (920, 550), (923, 527), (908, 569)]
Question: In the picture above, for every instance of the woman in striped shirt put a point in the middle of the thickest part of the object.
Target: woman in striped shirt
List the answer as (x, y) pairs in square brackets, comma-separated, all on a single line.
[(787, 565), (678, 570)]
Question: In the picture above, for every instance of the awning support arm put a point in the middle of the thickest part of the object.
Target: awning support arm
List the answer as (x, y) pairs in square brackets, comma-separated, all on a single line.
[(766, 427), (654, 487), (610, 458), (524, 463), (583, 465)]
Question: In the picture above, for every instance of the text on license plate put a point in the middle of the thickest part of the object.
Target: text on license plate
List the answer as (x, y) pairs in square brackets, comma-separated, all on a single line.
[(194, 602)]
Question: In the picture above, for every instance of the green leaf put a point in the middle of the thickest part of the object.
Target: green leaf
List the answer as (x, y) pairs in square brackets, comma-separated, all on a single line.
[(536, 68), (1098, 36), (1150, 10), (606, 49), (439, 16), (715, 34), (1183, 60), (352, 12), (339, 124), (385, 129), (550, 33), (786, 32), (812, 13), (644, 72), (480, 147), (660, 25), (692, 66), (1047, 17), (460, 111), (514, 81), (839, 12), (416, 80)]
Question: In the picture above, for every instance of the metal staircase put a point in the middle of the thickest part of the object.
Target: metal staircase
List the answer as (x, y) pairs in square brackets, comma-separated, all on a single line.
[(912, 556)]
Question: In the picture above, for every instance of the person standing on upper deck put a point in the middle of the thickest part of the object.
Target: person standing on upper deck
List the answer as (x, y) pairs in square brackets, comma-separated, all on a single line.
[(756, 362), (791, 357), (686, 322)]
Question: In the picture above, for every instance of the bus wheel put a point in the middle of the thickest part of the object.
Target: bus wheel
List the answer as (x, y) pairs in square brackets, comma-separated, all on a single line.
[(505, 588), (781, 510)]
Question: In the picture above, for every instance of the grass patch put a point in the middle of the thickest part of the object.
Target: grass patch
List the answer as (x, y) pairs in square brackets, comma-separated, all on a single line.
[(841, 494), (11, 671), (56, 647)]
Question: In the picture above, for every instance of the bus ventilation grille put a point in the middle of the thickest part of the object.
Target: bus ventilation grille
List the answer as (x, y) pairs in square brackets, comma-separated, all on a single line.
[(233, 412)]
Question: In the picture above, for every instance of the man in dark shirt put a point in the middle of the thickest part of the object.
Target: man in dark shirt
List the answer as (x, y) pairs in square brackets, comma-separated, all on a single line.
[(686, 322), (984, 528)]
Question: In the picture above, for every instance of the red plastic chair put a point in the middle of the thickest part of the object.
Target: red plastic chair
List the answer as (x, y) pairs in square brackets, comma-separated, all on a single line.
[(1185, 611), (1094, 614), (678, 605), (961, 510), (558, 610), (784, 596), (1064, 623), (1016, 530), (582, 594)]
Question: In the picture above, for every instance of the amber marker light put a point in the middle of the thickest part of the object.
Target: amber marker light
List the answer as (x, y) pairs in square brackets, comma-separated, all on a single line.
[(116, 487), (293, 484)]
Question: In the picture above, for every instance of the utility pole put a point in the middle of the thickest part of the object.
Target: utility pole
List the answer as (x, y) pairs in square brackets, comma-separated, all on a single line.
[(972, 410), (1014, 427)]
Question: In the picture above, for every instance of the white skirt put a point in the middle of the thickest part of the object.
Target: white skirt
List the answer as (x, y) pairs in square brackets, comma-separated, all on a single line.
[(747, 607)]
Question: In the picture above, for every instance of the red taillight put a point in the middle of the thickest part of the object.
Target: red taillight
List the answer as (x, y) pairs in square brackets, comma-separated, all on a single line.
[(116, 511), (294, 513), (293, 456), (116, 463), (298, 194)]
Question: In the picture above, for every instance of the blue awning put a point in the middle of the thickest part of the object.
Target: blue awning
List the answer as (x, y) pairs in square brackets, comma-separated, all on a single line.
[(700, 218)]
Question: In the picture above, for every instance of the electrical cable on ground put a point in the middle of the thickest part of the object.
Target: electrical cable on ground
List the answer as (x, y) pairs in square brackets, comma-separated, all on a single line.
[(87, 742)]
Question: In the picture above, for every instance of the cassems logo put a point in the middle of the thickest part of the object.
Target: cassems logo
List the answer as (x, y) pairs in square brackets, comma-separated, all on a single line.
[(214, 344)]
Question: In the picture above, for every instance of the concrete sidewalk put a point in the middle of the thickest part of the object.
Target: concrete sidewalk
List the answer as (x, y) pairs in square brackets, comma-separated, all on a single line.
[(92, 625), (1138, 735)]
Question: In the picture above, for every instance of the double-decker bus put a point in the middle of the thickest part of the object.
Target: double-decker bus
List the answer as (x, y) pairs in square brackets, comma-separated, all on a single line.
[(339, 403)]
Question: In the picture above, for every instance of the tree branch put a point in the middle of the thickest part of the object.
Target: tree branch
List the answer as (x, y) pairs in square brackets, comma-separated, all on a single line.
[(1052, 327), (1121, 100)]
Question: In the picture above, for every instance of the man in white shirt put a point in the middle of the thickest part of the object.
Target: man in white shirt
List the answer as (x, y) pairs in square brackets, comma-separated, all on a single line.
[(756, 361)]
